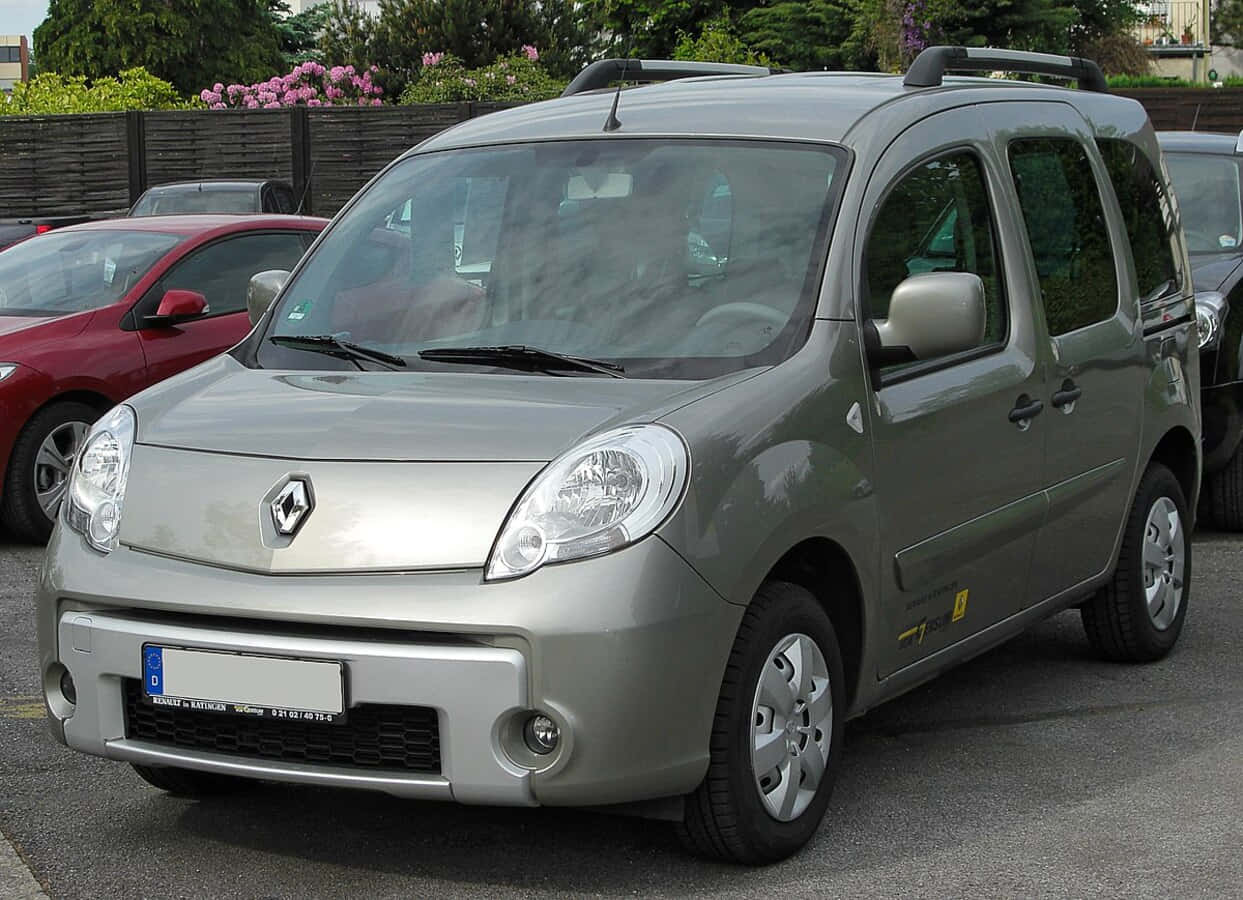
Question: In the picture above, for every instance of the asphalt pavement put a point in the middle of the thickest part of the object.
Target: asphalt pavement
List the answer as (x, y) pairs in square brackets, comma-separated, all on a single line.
[(1033, 771)]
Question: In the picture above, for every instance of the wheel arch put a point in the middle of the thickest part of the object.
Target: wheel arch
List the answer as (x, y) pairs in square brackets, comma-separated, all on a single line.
[(823, 567), (1177, 451)]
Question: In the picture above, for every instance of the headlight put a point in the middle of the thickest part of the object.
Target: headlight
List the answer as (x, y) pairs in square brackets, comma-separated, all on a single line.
[(606, 493), (7, 369), (1210, 311), (97, 485)]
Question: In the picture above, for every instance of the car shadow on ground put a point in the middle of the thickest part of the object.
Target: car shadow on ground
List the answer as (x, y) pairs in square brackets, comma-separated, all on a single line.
[(1023, 729)]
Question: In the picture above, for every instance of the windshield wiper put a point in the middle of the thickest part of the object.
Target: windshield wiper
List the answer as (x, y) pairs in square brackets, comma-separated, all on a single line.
[(521, 356), (337, 345)]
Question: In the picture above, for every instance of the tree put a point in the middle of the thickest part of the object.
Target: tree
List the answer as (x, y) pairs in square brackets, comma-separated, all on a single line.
[(474, 31), (807, 34), (1227, 23), (298, 35), (653, 28), (187, 43), (347, 36), (718, 43)]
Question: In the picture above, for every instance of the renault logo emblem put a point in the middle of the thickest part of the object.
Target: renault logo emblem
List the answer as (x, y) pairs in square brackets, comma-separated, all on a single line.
[(291, 506)]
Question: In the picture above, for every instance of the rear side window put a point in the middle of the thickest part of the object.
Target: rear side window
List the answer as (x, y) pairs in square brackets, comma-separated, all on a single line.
[(1146, 211), (937, 219), (1067, 231)]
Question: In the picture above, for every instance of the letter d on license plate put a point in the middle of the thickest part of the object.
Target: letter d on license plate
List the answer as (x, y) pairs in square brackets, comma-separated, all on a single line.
[(234, 683)]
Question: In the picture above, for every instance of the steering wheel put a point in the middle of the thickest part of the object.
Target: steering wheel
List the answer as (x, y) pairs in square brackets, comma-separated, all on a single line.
[(744, 312)]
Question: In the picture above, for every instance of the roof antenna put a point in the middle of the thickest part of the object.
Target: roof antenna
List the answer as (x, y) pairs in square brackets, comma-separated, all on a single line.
[(306, 188), (612, 123)]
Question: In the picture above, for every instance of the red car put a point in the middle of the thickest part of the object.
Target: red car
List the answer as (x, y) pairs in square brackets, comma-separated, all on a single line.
[(94, 313)]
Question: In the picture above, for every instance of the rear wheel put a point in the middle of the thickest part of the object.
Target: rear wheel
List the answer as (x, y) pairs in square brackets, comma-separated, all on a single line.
[(1139, 615), (39, 467), (188, 782), (1223, 496), (776, 739)]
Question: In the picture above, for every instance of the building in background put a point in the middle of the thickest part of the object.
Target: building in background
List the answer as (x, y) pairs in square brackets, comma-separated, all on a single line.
[(370, 7), (1176, 35), (14, 60)]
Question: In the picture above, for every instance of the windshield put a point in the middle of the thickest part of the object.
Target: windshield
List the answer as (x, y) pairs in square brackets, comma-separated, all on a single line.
[(681, 259), (205, 200), (1209, 201), (75, 271)]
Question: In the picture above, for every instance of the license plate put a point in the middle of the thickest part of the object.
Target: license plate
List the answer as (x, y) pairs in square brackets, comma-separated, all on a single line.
[(264, 687)]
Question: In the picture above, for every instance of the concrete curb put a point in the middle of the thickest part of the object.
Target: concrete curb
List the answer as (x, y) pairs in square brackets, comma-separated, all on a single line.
[(17, 882)]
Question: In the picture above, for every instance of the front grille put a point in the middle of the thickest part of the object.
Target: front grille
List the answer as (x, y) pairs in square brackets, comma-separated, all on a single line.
[(374, 736)]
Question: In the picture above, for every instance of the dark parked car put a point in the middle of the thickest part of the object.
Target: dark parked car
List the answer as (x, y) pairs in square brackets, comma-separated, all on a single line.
[(196, 197), (1205, 171), (14, 230), (94, 313)]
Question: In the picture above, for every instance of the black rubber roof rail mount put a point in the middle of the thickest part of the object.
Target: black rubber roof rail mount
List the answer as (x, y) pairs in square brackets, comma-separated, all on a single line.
[(933, 62), (604, 72)]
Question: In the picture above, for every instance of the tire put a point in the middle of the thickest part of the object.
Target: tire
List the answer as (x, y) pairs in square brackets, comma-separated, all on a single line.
[(21, 510), (1118, 619), (1224, 495), (727, 817), (188, 782)]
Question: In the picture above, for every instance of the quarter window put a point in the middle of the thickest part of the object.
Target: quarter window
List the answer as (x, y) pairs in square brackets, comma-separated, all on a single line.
[(937, 219), (1149, 219), (1067, 231)]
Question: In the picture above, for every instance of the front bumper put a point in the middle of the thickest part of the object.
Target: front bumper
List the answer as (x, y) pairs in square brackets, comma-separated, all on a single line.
[(626, 652)]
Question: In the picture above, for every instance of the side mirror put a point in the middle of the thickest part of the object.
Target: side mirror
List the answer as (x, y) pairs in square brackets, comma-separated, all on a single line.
[(177, 306), (930, 315), (262, 290)]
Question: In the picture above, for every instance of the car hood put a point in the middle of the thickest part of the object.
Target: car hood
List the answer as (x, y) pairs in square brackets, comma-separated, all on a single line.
[(15, 324), (223, 407), (405, 471), (1214, 272)]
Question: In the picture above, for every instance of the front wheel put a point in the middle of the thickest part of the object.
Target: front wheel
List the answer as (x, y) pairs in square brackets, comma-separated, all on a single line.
[(1139, 615), (39, 467), (777, 736)]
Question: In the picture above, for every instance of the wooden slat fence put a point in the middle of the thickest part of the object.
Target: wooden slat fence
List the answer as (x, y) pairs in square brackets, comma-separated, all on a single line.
[(99, 164)]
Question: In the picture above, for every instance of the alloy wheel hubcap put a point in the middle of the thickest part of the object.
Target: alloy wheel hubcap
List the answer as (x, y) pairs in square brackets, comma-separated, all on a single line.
[(791, 726), (1165, 561), (54, 462)]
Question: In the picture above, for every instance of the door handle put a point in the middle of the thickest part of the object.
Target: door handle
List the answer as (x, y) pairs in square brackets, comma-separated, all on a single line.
[(1069, 393), (1025, 409)]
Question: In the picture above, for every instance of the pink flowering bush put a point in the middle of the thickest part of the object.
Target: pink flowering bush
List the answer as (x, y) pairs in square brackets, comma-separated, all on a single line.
[(309, 84), (444, 79)]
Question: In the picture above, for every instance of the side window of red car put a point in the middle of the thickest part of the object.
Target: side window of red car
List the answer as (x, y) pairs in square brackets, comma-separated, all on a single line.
[(221, 271)]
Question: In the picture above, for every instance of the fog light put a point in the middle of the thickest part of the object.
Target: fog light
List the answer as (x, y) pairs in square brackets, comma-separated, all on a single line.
[(67, 687), (541, 734)]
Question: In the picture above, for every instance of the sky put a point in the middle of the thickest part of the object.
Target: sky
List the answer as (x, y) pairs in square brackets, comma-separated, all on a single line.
[(21, 16)]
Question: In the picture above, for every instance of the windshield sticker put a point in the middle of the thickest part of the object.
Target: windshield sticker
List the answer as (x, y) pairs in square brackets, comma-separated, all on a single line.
[(110, 269), (1227, 241), (298, 313)]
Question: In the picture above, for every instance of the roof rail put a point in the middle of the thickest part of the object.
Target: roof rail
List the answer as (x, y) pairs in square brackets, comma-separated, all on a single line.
[(932, 63), (602, 73)]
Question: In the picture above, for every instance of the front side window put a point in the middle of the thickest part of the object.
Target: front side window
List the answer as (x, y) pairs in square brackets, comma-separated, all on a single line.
[(1150, 224), (222, 271), (75, 271), (937, 219), (1208, 189), (1067, 231), (683, 259)]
